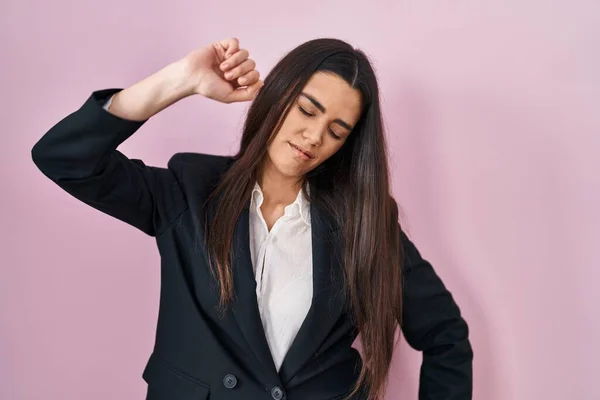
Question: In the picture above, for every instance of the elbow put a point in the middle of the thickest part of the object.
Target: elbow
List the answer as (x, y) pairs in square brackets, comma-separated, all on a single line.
[(42, 157), (49, 160), (39, 156), (452, 343)]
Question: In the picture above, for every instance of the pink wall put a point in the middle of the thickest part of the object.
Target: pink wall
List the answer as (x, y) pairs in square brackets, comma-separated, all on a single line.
[(492, 112)]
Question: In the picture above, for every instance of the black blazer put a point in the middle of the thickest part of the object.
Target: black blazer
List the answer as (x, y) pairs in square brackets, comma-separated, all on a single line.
[(199, 355)]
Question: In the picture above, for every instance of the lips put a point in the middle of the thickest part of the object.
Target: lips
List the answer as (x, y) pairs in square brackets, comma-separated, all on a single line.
[(306, 152)]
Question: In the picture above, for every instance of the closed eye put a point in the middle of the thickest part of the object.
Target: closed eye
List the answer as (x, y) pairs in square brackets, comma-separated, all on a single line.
[(303, 111)]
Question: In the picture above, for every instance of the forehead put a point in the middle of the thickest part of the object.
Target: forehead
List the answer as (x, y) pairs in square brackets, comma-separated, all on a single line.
[(335, 94)]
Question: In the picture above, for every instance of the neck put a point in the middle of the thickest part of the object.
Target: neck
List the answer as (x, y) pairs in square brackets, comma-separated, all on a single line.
[(276, 187)]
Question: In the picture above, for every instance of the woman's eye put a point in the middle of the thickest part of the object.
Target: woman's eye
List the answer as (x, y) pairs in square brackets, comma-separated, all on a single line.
[(304, 111)]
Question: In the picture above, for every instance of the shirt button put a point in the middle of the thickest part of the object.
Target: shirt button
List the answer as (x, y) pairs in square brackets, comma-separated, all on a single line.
[(277, 393), (229, 381)]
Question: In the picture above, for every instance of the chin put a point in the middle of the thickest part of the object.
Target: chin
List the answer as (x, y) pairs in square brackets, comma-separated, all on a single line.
[(289, 170)]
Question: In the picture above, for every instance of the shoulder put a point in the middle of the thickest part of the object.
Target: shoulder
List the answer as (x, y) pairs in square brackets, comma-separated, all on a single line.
[(197, 168), (199, 161)]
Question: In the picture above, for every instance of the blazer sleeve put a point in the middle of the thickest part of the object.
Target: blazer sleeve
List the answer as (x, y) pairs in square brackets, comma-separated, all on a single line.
[(432, 323), (79, 154)]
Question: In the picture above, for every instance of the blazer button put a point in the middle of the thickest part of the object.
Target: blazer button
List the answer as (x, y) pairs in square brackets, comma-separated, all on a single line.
[(277, 393), (229, 381)]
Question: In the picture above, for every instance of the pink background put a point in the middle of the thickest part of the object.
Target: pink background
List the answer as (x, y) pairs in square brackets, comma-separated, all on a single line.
[(492, 114)]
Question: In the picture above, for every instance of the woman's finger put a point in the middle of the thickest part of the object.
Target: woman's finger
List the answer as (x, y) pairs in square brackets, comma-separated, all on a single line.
[(240, 70), (249, 78), (231, 45), (245, 93), (239, 57)]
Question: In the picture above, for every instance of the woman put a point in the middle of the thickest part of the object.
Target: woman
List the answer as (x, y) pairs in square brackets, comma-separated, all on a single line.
[(273, 260)]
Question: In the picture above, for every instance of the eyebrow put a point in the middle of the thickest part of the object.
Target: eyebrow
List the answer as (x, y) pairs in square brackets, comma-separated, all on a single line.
[(322, 109)]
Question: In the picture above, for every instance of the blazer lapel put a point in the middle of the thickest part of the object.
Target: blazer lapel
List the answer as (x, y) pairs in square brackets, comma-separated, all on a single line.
[(327, 302), (245, 304)]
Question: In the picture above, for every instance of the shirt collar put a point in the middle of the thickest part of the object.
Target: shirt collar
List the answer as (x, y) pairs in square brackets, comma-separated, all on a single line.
[(301, 203)]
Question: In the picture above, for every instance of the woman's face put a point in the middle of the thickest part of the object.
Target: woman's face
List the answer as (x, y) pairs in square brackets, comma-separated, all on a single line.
[(318, 124)]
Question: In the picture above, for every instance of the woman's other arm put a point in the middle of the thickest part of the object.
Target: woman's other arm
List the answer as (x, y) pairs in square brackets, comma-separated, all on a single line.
[(433, 324), (79, 152)]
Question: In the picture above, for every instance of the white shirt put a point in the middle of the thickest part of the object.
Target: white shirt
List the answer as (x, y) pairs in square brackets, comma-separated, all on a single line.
[(282, 263)]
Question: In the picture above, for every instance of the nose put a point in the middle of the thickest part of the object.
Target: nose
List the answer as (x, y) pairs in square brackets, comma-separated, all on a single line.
[(314, 135)]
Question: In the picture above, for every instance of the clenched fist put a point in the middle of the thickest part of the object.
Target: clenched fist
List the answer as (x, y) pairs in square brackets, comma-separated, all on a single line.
[(223, 72)]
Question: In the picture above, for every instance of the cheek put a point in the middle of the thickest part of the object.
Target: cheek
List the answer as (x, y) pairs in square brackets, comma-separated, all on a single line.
[(290, 123), (280, 154), (330, 148)]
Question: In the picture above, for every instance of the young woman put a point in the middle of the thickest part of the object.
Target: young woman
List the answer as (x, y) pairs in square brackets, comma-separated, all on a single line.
[(274, 259)]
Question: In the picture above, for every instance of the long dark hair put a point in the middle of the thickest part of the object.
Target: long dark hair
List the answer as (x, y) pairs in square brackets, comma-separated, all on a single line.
[(353, 185)]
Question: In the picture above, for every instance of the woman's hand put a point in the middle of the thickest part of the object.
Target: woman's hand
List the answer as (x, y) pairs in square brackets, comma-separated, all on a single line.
[(223, 72)]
